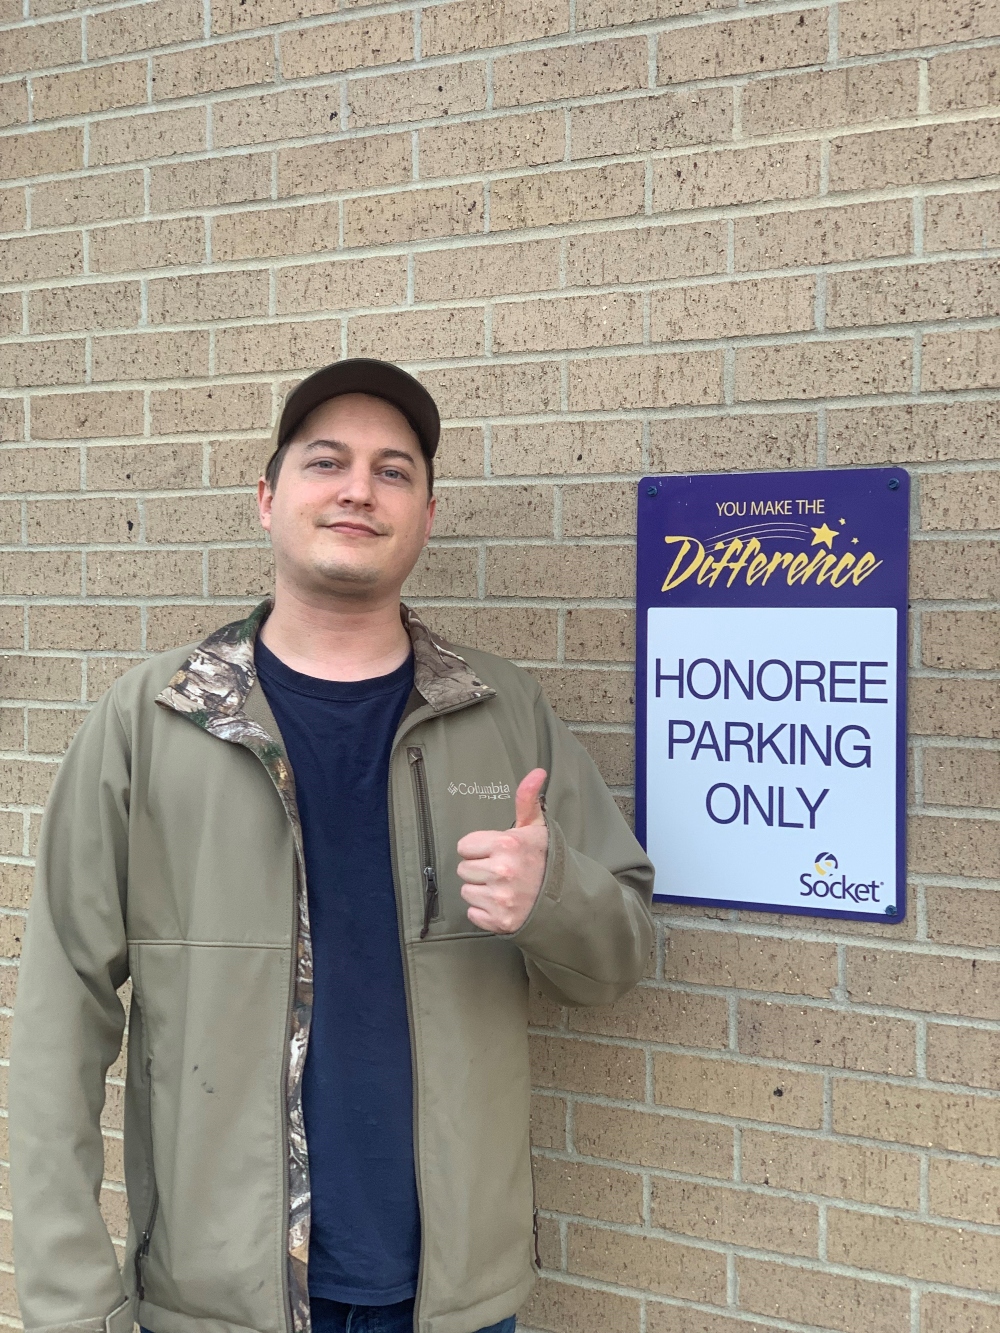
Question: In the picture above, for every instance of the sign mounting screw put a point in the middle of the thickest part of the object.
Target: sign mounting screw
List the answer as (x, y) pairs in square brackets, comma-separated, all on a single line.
[(893, 483), (891, 909), (651, 490)]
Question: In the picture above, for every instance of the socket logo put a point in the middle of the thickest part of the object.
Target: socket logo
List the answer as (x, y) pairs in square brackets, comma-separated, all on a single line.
[(822, 882), (485, 791)]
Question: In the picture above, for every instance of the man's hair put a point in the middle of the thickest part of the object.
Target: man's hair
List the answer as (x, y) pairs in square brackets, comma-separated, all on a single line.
[(278, 457)]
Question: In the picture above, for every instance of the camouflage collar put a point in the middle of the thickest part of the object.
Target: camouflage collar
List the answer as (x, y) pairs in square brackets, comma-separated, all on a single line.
[(214, 682)]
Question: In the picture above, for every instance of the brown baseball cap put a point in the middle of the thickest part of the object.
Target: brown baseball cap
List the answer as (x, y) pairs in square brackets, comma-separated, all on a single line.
[(381, 379)]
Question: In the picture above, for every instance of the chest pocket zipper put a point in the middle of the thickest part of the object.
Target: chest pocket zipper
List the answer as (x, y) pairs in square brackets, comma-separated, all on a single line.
[(142, 1248), (428, 864)]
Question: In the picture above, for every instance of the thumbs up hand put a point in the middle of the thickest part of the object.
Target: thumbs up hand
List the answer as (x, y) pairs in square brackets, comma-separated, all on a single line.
[(502, 869)]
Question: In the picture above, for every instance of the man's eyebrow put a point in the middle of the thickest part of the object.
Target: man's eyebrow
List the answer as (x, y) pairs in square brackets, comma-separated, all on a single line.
[(340, 444)]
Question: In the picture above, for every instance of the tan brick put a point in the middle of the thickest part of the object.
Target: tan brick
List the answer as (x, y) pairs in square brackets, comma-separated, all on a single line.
[(41, 152), (11, 935), (738, 1089), (735, 1216), (493, 390), (146, 134), (417, 335), (645, 253), (221, 407), (292, 114), (823, 369), (83, 91), (586, 696), (849, 96), (87, 199), (560, 571), (956, 1314), (598, 635), (200, 518), (336, 285), (962, 777), (172, 626), (40, 469), (652, 1139), (587, 1067), (210, 182), (211, 68), (42, 363), (562, 1307), (964, 78), (238, 462), (962, 640), (567, 447), (684, 1319), (508, 630), (580, 70), (10, 313), (50, 731), (962, 221), (583, 1190), (15, 891), (71, 522), (962, 916), (14, 103), (828, 1167), (647, 1263), (743, 46), (147, 245), (658, 380), (651, 1013), (711, 443), (960, 1054), (646, 124), (955, 1121), (358, 44), (93, 415), (955, 846), (611, 13), (736, 176), (470, 25), (144, 573), (490, 511), (42, 46), (11, 419), (42, 678), (822, 236), (486, 270), (913, 292), (27, 258), (208, 297), (548, 1122), (614, 191), (575, 321), (931, 432), (924, 982), (961, 360), (143, 27), (875, 26), (345, 164), (102, 672), (241, 572), (444, 572), (151, 356), (818, 1298), (232, 16), (460, 452), (949, 707), (600, 509), (827, 1037), (50, 573), (957, 1256), (84, 627), (942, 152), (447, 90), (269, 346), (954, 569), (452, 210), (751, 962), (12, 627), (143, 467), (12, 821), (105, 305), (13, 210), (500, 143), (733, 309), (614, 754)]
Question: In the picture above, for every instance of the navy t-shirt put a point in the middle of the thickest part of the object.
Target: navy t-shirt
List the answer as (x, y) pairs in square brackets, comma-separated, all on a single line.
[(357, 1087)]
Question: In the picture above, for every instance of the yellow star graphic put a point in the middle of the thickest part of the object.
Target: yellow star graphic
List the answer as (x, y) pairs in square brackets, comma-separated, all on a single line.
[(823, 535)]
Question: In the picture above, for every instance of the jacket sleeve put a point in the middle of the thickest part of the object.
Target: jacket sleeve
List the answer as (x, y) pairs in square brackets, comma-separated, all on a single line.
[(589, 934), (68, 1025)]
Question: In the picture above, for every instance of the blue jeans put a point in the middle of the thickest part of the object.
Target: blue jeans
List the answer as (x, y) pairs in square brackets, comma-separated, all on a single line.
[(333, 1317)]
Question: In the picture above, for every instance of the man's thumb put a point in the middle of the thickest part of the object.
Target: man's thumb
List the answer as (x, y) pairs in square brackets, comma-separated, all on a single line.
[(527, 800)]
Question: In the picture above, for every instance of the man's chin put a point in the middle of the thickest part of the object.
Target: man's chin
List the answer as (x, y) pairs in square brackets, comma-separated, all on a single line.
[(345, 576)]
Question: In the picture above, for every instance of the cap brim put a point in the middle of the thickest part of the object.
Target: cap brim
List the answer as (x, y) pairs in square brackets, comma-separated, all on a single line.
[(381, 379)]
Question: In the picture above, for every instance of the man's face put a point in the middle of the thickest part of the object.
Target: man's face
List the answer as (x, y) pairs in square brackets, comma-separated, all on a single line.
[(350, 512)]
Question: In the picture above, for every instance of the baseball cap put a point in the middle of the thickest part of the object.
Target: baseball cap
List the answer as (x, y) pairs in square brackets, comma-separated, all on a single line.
[(381, 379)]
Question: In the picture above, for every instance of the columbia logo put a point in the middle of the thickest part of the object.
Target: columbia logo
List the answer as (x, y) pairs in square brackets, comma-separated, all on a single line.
[(452, 789), (486, 791)]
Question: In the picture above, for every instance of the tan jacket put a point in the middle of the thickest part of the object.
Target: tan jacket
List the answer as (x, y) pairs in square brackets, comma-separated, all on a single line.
[(171, 853)]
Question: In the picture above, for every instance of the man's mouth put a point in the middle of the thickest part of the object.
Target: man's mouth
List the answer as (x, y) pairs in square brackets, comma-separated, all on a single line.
[(349, 529)]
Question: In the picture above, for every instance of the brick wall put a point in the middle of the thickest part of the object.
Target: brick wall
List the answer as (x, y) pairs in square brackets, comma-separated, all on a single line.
[(612, 236)]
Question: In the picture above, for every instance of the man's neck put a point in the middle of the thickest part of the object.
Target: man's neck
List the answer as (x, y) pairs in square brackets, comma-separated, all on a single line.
[(336, 641)]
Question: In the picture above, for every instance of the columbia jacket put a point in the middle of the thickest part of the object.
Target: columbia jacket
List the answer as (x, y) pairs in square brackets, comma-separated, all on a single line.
[(171, 853)]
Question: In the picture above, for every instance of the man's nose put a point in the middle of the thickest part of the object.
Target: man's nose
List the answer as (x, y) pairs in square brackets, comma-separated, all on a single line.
[(356, 487)]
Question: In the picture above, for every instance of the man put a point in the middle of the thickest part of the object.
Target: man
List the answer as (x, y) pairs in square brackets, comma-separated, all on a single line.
[(318, 846)]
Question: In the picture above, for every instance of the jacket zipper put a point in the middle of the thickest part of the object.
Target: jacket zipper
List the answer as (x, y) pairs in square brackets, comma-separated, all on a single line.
[(432, 905), (142, 1249)]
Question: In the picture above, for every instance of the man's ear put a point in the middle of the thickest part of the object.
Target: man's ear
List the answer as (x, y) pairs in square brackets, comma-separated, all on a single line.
[(431, 507), (265, 499)]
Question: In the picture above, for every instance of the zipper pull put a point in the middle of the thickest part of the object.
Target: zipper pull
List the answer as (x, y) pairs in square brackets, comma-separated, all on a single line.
[(142, 1250), (430, 900)]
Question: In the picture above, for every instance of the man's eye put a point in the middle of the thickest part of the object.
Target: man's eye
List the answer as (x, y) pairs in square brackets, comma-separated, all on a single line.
[(393, 473)]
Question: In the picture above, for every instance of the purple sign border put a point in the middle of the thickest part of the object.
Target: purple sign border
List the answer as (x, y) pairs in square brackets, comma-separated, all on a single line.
[(882, 495)]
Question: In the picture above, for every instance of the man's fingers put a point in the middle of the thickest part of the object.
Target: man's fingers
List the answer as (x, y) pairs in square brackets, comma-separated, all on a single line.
[(527, 801), (480, 843)]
